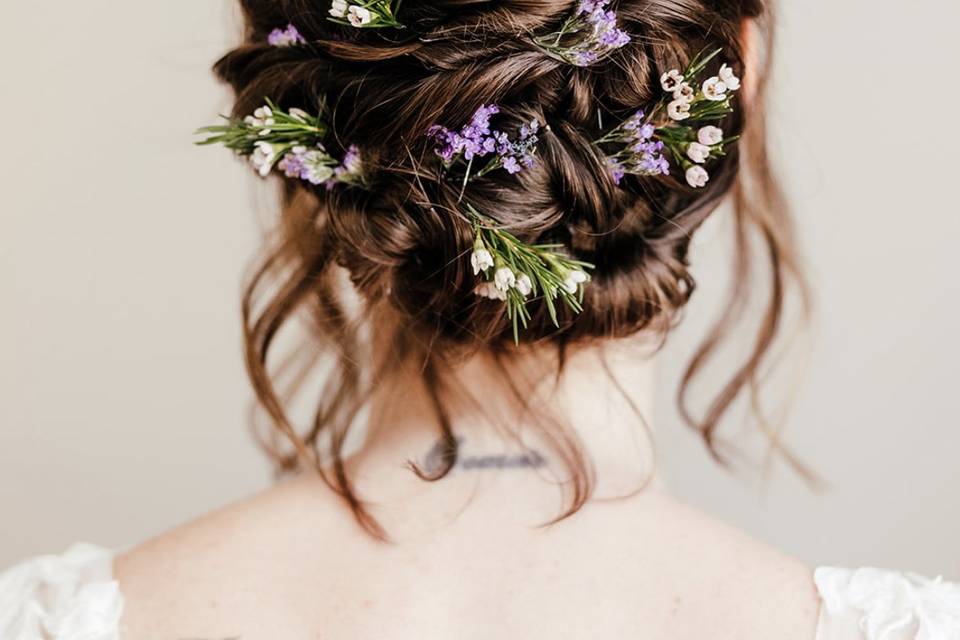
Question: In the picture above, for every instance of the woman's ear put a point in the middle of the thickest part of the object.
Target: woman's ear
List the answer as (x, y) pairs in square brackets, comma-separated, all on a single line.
[(750, 41)]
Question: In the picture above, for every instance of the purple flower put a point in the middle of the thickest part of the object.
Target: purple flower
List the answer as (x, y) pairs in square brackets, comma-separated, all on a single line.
[(511, 165), (285, 37)]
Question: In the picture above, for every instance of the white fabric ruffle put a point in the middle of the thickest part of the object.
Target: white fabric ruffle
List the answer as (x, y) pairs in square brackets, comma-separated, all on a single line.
[(890, 605), (68, 597)]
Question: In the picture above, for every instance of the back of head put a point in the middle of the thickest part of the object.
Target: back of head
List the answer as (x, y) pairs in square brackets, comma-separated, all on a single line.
[(405, 236)]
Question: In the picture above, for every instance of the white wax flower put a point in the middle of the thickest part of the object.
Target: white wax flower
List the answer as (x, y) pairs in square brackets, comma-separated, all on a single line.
[(671, 80), (697, 152), (359, 16), (524, 285), (263, 157), (710, 135), (679, 110), (299, 114), (684, 92), (481, 260), (339, 9), (488, 290), (504, 278), (573, 281), (714, 89), (729, 78), (697, 176)]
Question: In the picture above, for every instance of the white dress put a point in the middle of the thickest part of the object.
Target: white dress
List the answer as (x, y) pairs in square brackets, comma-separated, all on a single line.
[(74, 597)]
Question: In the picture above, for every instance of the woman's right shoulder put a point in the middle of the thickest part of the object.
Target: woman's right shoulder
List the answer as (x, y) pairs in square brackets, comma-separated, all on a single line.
[(214, 574)]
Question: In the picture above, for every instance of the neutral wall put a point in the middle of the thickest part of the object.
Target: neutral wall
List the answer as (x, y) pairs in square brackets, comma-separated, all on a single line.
[(122, 247)]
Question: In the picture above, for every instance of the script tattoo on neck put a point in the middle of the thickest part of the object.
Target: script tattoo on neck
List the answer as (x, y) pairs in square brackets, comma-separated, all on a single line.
[(530, 459)]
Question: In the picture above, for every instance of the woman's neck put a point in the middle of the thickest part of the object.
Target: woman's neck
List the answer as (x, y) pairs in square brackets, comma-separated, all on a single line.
[(507, 416)]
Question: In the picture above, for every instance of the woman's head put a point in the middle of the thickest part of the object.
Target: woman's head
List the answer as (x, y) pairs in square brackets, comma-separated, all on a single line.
[(404, 239)]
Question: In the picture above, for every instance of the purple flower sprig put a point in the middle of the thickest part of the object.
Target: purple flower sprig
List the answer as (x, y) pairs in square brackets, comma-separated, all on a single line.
[(288, 141), (285, 37), (588, 36), (638, 153), (679, 126), (477, 140)]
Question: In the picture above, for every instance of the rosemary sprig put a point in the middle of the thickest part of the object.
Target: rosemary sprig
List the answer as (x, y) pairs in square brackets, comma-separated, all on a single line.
[(366, 14), (518, 273)]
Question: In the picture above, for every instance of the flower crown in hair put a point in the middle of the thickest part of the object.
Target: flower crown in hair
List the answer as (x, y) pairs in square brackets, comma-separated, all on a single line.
[(510, 270), (291, 142), (677, 126)]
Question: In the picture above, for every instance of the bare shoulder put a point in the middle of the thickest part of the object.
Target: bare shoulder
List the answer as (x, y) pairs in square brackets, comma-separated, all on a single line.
[(219, 575), (760, 590)]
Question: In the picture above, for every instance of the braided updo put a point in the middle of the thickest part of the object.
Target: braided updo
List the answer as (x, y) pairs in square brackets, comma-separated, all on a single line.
[(404, 241)]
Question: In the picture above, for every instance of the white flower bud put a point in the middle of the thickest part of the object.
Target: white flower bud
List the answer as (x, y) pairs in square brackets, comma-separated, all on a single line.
[(697, 152), (488, 290), (729, 78), (338, 9), (481, 260), (524, 285), (299, 114), (504, 278), (697, 177), (710, 135)]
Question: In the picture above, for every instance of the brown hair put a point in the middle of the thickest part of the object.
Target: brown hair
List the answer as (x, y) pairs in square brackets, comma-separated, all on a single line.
[(405, 246)]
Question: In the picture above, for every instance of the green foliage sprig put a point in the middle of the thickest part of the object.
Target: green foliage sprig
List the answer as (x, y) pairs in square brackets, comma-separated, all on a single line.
[(517, 272)]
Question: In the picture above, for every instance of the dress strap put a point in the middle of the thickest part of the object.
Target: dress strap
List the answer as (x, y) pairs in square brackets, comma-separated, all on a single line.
[(875, 604), (68, 597)]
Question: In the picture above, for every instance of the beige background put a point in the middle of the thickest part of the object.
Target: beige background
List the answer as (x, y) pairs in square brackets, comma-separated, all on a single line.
[(122, 247)]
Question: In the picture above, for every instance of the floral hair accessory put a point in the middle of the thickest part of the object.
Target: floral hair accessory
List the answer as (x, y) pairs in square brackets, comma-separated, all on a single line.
[(478, 140), (285, 37), (515, 272), (369, 14), (291, 142), (586, 37), (677, 126)]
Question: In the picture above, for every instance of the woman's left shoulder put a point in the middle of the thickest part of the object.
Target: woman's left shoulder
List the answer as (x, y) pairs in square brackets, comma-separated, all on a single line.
[(67, 597), (879, 603)]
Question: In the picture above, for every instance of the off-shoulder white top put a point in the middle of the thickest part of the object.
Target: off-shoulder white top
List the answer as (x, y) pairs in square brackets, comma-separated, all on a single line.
[(75, 597)]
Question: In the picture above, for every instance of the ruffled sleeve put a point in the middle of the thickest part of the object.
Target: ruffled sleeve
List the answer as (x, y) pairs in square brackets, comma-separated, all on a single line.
[(68, 597), (874, 604)]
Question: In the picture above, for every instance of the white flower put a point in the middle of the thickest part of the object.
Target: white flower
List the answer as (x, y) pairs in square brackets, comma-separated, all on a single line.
[(359, 16), (316, 170), (710, 135), (729, 78), (299, 114), (263, 113), (697, 152), (697, 176), (573, 281), (524, 285), (339, 8), (684, 92), (481, 260), (504, 278), (263, 158), (671, 80), (714, 89), (488, 290), (679, 110)]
